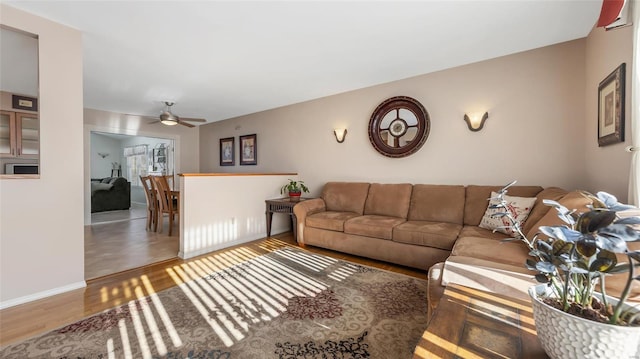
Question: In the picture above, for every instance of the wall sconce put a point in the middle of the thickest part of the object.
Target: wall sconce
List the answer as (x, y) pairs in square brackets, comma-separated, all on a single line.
[(103, 155), (475, 123), (340, 134)]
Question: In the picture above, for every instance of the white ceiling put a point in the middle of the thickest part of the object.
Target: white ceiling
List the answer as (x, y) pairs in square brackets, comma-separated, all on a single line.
[(221, 59)]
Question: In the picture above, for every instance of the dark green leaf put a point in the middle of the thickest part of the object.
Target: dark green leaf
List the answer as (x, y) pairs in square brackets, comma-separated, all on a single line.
[(541, 278), (530, 264), (604, 262), (561, 247), (582, 265), (593, 220), (587, 246)]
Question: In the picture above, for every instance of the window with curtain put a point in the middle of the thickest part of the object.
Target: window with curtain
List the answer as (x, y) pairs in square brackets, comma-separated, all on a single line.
[(137, 163)]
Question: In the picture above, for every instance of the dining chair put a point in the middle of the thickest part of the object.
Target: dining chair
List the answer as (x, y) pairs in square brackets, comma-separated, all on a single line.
[(169, 201), (152, 202)]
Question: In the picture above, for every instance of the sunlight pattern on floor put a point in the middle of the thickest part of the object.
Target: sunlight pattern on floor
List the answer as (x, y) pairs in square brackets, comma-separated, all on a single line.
[(241, 287), (236, 301)]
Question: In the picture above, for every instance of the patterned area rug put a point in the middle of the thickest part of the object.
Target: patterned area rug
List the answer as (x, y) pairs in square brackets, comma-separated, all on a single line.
[(286, 304)]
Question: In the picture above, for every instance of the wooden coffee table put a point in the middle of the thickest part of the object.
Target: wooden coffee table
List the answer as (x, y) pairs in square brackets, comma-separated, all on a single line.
[(470, 323)]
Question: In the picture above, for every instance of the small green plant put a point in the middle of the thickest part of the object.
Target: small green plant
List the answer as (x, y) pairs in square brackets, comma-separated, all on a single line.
[(294, 187), (579, 255)]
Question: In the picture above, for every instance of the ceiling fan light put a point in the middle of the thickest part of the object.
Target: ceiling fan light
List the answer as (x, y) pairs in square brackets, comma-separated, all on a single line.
[(169, 119), (169, 122)]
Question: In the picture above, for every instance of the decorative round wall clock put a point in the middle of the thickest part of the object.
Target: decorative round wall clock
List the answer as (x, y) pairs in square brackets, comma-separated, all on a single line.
[(399, 127)]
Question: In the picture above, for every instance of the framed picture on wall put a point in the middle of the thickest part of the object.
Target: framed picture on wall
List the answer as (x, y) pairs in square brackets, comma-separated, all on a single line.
[(248, 150), (611, 108), (227, 151)]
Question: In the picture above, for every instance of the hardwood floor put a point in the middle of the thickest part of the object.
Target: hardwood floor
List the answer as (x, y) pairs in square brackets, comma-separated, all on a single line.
[(117, 246), (136, 211), (30, 319)]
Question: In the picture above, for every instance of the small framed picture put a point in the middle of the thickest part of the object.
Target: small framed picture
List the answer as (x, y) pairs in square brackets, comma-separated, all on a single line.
[(24, 103), (248, 150), (227, 151), (611, 108)]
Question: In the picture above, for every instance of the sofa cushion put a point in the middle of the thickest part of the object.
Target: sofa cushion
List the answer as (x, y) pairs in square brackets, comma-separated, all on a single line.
[(514, 253), (517, 207), (331, 220), (98, 186), (372, 226), (539, 209), (424, 233), (572, 200), (512, 281), (390, 200), (345, 196), (437, 203), (477, 199), (475, 231)]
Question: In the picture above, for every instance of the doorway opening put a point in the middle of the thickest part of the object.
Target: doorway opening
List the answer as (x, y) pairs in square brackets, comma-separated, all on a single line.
[(117, 238)]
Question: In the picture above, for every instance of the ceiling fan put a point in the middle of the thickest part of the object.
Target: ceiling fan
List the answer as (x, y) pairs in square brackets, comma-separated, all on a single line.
[(169, 119)]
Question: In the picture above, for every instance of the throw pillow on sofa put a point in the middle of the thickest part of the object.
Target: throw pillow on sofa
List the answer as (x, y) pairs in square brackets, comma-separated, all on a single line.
[(519, 207)]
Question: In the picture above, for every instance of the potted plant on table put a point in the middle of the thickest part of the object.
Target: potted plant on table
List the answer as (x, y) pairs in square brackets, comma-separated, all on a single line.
[(572, 319), (295, 189)]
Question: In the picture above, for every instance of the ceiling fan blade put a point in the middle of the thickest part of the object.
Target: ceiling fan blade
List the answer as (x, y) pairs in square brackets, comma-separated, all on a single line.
[(141, 116), (186, 124), (152, 122), (193, 119)]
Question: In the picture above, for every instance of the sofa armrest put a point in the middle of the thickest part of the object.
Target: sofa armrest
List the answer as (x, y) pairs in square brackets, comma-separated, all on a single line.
[(304, 209), (435, 290)]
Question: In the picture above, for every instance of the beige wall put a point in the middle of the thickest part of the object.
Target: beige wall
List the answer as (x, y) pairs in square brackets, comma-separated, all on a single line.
[(187, 139), (535, 101), (213, 217), (607, 168), (41, 229)]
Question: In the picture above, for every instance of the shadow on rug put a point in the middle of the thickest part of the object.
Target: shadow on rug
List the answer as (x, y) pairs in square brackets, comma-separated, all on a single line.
[(286, 304)]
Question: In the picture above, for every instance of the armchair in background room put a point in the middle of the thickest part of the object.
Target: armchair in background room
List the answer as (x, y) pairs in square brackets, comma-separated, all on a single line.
[(110, 194)]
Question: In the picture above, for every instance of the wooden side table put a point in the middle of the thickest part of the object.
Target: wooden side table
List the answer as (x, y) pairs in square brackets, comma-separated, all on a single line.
[(470, 323), (282, 205)]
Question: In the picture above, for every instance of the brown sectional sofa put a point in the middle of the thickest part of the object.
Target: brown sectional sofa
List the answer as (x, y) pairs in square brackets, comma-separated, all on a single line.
[(412, 225), (432, 227)]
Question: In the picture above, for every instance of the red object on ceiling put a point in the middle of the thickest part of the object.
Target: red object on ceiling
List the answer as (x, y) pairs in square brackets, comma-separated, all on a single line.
[(610, 11)]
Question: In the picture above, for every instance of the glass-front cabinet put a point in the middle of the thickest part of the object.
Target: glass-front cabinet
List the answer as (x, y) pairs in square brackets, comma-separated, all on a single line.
[(28, 128), (19, 135), (7, 128)]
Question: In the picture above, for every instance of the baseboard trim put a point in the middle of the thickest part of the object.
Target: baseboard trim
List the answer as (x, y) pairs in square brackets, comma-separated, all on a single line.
[(199, 252), (217, 247), (44, 294)]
